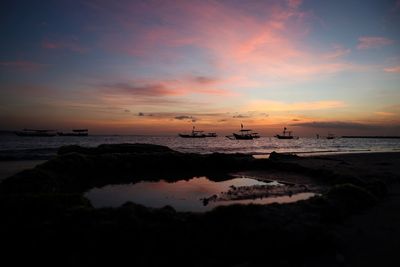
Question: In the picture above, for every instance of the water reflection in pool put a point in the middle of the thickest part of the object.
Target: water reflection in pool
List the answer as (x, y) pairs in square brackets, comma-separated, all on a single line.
[(182, 195)]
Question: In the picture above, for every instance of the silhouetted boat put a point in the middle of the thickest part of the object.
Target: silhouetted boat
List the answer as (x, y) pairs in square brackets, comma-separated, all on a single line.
[(331, 136), (211, 134), (36, 133), (75, 132), (197, 134), (286, 135), (244, 134)]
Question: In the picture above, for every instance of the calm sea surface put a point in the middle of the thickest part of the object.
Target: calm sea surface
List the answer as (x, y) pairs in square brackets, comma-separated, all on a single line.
[(15, 147)]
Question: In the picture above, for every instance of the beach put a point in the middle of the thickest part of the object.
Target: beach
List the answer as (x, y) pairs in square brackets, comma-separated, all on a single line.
[(200, 133), (351, 220)]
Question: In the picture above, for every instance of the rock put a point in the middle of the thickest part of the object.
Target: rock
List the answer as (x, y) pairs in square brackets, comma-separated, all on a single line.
[(282, 156)]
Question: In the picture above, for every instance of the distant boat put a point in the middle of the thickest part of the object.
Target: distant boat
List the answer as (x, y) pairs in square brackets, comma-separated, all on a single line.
[(211, 134), (331, 136), (198, 134), (36, 133), (244, 134), (75, 132), (286, 135)]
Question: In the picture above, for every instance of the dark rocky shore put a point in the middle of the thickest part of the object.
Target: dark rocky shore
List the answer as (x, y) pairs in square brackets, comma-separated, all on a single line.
[(47, 220)]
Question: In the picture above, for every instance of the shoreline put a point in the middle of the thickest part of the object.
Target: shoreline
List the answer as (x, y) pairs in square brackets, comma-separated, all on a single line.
[(48, 153), (9, 167)]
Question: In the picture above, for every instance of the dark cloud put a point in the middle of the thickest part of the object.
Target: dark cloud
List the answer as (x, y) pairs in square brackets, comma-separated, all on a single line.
[(295, 120), (141, 114), (240, 116), (127, 110), (71, 44), (183, 117), (204, 79), (140, 90), (336, 125)]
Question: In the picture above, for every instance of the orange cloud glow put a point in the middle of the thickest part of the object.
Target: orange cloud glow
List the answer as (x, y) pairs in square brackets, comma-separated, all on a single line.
[(385, 114), (278, 106), (395, 69)]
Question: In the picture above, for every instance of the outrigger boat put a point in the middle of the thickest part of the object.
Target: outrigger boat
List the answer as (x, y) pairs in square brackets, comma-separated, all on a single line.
[(286, 135), (198, 134), (36, 133), (244, 134), (75, 132), (211, 134)]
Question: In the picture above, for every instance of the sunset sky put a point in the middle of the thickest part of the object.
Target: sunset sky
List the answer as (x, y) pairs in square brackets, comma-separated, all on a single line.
[(159, 67)]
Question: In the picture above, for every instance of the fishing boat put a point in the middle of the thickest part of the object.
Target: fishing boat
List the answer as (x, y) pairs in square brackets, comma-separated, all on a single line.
[(286, 135), (211, 134), (75, 132), (194, 134), (244, 134), (36, 133)]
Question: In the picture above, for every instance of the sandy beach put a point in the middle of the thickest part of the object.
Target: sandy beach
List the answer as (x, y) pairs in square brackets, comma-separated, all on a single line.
[(353, 221)]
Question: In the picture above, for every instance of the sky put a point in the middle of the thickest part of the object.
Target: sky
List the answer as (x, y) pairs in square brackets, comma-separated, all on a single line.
[(161, 67)]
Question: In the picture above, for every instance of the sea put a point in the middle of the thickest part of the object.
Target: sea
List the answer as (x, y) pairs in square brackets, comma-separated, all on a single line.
[(14, 147)]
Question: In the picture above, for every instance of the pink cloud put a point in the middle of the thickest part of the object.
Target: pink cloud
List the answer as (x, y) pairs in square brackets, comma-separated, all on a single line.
[(395, 69), (165, 88), (373, 42), (279, 106), (22, 65), (141, 90), (215, 92), (208, 25), (239, 45)]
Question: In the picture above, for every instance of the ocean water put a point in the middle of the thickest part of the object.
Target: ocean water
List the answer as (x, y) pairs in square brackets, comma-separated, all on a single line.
[(14, 147)]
